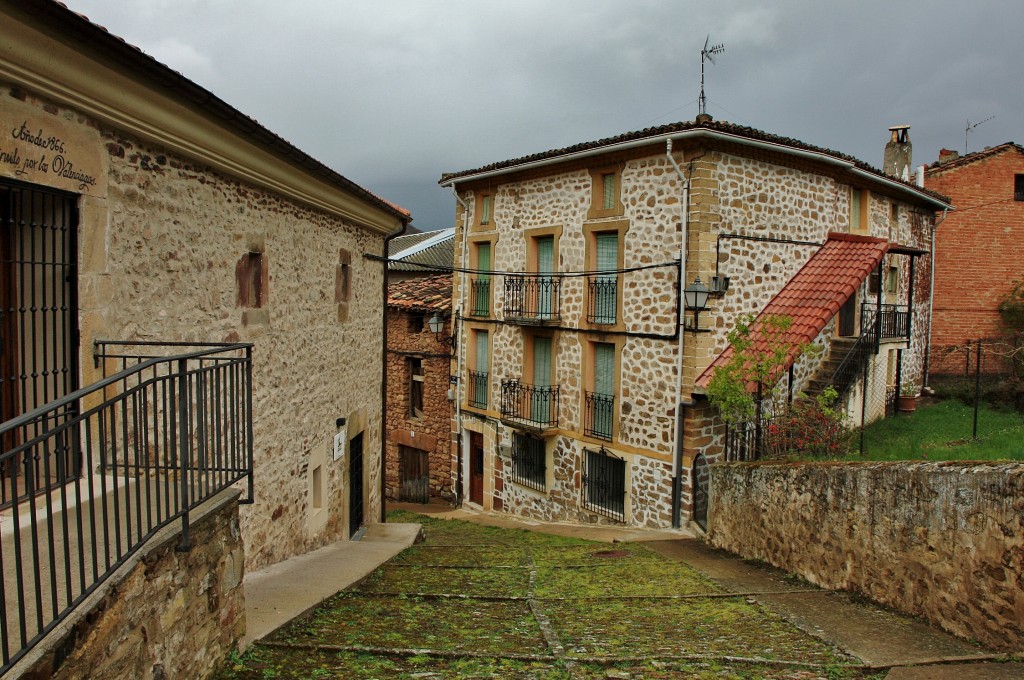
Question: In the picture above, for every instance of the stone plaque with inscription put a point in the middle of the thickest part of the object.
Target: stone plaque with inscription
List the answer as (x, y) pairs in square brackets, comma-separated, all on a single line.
[(42, 148)]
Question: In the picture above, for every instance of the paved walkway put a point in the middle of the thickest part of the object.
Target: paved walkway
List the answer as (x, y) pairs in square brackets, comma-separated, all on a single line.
[(880, 638)]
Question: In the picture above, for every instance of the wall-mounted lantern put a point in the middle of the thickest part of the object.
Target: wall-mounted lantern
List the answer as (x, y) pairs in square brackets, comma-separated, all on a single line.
[(696, 297), (436, 324)]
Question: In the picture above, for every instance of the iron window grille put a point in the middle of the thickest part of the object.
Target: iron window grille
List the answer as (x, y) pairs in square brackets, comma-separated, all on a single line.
[(478, 389), (531, 406), (529, 466), (599, 415), (533, 298), (602, 305), (604, 484)]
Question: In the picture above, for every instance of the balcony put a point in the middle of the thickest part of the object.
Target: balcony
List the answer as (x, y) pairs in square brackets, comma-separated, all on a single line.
[(532, 407), (602, 299), (533, 299), (480, 296), (599, 415), (478, 383), (893, 320)]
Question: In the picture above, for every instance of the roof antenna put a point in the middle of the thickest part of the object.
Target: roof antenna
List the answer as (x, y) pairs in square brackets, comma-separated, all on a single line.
[(971, 127), (707, 54)]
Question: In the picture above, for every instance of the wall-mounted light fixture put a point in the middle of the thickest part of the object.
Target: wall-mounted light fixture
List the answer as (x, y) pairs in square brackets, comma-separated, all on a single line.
[(696, 297), (436, 325)]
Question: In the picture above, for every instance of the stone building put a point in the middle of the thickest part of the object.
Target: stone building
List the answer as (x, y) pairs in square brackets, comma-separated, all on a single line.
[(979, 249), (579, 371), (182, 219), (419, 463)]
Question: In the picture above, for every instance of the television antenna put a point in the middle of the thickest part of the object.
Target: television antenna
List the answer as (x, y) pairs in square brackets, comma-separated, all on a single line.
[(707, 54), (971, 127)]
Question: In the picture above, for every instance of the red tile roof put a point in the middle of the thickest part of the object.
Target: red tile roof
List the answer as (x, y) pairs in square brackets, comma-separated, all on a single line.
[(430, 294), (814, 295), (960, 161)]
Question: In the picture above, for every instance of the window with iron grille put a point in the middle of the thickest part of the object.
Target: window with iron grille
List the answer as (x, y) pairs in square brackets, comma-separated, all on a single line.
[(529, 461), (478, 379), (480, 286), (604, 484)]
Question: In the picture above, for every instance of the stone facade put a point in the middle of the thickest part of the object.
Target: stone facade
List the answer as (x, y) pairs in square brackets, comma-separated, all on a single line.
[(200, 226), (739, 196), (942, 541), (172, 615), (430, 432), (978, 249)]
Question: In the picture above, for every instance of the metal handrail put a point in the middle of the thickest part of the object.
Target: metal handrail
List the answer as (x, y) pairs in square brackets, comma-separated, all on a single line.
[(145, 446), (531, 406)]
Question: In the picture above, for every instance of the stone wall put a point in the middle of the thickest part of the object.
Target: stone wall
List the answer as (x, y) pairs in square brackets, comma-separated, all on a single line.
[(170, 614), (943, 541), (432, 431), (164, 243)]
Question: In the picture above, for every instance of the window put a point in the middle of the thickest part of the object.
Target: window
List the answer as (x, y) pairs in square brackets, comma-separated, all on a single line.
[(540, 399), (892, 280), (605, 198), (343, 283), (858, 210), (604, 484), (608, 190), (604, 287), (415, 388), (480, 287), (478, 378), (529, 461), (545, 284), (252, 289), (600, 403), (486, 206), (415, 323), (1018, 187)]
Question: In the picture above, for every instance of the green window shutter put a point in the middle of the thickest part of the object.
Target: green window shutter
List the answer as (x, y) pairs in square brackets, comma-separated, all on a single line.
[(605, 290), (540, 402), (546, 254), (604, 368), (608, 191), (482, 349), (485, 209), (482, 285), (545, 284)]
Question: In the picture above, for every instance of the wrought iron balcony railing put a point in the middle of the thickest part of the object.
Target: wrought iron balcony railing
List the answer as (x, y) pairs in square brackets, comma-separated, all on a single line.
[(893, 320), (533, 298), (480, 296), (139, 449), (533, 407), (599, 415), (478, 383), (602, 299)]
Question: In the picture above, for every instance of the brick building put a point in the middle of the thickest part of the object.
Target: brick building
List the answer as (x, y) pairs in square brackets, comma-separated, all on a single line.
[(580, 393), (979, 247), (419, 461)]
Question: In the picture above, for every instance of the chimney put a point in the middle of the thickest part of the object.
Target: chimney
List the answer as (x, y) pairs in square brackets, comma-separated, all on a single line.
[(947, 155), (896, 161)]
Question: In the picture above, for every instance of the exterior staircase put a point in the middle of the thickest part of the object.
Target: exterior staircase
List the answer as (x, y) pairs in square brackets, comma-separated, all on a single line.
[(839, 350)]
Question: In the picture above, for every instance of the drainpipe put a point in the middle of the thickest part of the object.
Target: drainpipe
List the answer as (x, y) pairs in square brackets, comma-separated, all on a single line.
[(931, 297), (461, 350), (384, 374), (677, 464)]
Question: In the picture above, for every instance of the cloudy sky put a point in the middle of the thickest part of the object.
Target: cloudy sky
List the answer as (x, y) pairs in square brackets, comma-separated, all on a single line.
[(392, 93)]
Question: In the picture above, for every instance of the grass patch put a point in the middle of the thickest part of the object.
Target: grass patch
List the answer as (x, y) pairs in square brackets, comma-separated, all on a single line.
[(942, 431), (457, 532), (436, 581), (624, 578)]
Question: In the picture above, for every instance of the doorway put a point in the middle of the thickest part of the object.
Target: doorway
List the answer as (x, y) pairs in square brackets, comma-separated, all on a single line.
[(476, 468), (413, 475), (848, 317), (38, 332), (355, 485)]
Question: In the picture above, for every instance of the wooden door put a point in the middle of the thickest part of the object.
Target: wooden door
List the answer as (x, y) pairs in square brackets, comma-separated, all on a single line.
[(848, 317), (413, 475), (476, 468)]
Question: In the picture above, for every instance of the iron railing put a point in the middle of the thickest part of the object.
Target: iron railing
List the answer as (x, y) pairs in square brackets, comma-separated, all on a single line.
[(533, 298), (602, 299), (156, 437), (599, 415), (531, 406), (478, 382), (480, 296), (893, 321), (604, 484), (742, 442), (529, 466)]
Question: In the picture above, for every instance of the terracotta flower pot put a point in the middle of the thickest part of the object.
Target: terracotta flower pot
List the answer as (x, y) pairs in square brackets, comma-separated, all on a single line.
[(907, 404)]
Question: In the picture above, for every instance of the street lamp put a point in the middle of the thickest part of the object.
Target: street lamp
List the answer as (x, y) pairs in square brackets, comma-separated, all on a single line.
[(436, 325), (696, 296)]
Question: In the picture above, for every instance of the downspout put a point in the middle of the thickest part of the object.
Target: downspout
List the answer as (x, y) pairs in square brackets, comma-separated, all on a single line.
[(677, 462), (931, 301), (462, 348), (384, 374)]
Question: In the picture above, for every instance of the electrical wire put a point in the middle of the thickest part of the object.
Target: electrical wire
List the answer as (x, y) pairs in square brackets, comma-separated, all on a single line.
[(493, 272)]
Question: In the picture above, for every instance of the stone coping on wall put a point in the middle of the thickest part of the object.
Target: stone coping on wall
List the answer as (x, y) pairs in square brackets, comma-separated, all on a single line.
[(168, 534)]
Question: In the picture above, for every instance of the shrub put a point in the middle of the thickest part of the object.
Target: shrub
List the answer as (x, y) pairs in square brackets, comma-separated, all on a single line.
[(809, 427)]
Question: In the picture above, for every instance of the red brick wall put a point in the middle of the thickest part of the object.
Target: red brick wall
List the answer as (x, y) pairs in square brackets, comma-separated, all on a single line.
[(432, 432), (979, 247)]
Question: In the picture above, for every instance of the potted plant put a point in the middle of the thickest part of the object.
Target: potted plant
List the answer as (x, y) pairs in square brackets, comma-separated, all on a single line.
[(908, 397)]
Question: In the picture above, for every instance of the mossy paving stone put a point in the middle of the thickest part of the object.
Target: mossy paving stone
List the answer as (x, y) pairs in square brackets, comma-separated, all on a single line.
[(624, 579), (723, 626), (460, 556), (442, 581), (485, 627), (591, 555)]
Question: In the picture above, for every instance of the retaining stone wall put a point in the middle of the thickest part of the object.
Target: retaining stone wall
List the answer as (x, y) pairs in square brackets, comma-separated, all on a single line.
[(943, 541)]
